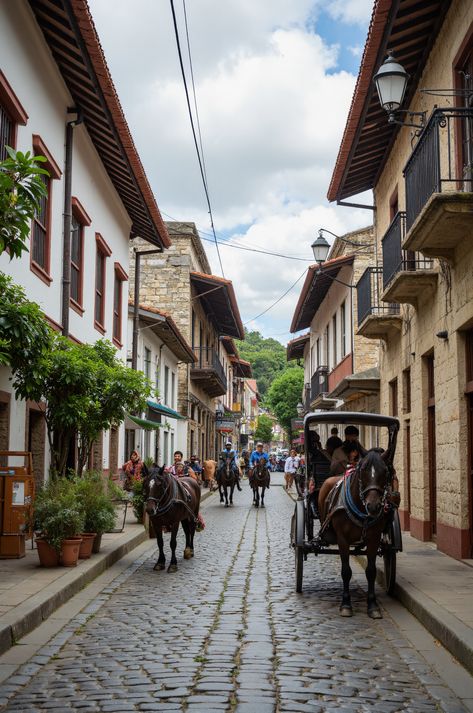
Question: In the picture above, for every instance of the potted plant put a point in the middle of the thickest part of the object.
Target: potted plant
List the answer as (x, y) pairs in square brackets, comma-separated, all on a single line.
[(99, 512), (60, 520), (137, 499)]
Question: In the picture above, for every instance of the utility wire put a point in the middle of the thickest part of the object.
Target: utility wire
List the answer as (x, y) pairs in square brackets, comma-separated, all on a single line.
[(202, 172), (278, 300)]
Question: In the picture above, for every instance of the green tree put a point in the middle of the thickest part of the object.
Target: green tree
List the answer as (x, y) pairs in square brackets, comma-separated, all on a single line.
[(24, 333), (284, 395), (21, 189), (267, 358), (264, 429), (84, 389)]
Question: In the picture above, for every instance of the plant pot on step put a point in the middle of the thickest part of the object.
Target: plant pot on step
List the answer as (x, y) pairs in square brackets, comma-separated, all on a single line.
[(96, 543), (48, 556), (70, 551), (86, 545)]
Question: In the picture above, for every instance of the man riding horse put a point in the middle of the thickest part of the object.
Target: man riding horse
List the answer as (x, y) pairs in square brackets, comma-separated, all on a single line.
[(228, 455)]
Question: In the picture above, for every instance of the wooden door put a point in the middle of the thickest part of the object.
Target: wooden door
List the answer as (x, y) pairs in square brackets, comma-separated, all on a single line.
[(432, 446), (470, 466)]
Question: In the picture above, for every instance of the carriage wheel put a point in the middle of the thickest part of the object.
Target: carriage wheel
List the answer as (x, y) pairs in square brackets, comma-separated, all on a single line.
[(299, 567), (389, 558)]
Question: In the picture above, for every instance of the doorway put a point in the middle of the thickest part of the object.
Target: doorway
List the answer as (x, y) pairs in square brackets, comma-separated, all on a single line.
[(431, 445), (36, 436)]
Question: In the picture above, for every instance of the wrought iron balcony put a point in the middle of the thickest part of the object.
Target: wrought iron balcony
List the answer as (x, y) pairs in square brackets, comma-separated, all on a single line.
[(208, 371), (406, 274), (439, 184), (319, 382), (376, 320)]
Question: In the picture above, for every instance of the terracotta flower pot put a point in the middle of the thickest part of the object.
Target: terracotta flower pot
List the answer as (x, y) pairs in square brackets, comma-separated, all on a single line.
[(70, 551), (97, 543), (48, 556), (86, 545)]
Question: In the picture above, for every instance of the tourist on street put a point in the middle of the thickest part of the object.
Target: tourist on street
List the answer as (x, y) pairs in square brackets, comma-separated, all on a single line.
[(196, 467), (134, 469), (180, 469), (333, 442), (290, 468)]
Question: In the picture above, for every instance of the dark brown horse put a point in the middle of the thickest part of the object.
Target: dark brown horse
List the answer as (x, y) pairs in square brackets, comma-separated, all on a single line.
[(226, 479), (357, 510), (168, 502), (259, 478)]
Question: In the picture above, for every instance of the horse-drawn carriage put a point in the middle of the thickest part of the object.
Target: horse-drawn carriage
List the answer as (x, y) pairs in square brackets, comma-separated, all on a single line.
[(365, 521)]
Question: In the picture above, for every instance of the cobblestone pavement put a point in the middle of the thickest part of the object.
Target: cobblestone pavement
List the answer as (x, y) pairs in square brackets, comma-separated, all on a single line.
[(228, 633)]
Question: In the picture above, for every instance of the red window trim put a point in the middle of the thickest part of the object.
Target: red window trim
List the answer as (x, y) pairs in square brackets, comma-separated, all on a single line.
[(122, 277), (12, 105), (82, 217), (103, 248), (40, 148)]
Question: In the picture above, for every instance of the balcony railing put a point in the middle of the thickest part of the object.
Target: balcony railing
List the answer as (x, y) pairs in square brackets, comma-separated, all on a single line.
[(369, 290), (319, 382), (441, 161), (394, 258), (209, 368)]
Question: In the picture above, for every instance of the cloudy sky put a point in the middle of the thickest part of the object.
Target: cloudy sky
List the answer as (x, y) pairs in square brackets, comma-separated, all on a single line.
[(274, 80)]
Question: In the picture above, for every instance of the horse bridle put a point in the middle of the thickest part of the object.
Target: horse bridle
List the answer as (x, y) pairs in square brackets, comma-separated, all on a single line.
[(363, 492), (163, 510)]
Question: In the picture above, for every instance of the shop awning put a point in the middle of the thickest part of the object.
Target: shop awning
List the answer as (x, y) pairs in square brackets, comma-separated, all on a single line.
[(133, 422), (165, 411)]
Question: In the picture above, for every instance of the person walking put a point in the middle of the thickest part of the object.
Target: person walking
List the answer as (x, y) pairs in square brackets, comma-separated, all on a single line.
[(290, 468), (134, 469)]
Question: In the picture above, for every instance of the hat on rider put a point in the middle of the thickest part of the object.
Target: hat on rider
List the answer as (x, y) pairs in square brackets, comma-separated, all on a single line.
[(228, 443), (259, 444)]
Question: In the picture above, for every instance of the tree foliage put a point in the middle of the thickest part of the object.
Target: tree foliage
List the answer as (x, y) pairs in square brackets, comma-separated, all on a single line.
[(21, 189), (267, 358), (84, 389), (264, 429), (284, 395), (24, 333)]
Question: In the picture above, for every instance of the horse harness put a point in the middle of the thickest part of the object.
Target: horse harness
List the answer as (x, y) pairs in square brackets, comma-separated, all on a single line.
[(177, 489)]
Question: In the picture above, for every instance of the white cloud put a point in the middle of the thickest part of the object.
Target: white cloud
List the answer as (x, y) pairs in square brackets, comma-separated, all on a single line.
[(272, 105), (351, 11)]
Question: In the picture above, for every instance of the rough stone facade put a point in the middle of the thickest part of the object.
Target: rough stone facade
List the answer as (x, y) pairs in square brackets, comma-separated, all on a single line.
[(439, 508), (165, 284)]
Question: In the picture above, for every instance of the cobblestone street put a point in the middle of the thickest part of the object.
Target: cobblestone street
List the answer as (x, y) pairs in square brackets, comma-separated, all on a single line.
[(227, 632)]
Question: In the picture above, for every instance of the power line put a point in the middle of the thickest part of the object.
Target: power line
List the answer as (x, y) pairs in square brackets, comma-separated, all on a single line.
[(278, 300), (202, 172)]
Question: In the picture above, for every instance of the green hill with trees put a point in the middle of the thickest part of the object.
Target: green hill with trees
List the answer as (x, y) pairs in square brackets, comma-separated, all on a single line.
[(267, 358)]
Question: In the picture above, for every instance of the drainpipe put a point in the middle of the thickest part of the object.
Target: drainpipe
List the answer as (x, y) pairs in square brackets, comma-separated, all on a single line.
[(67, 218)]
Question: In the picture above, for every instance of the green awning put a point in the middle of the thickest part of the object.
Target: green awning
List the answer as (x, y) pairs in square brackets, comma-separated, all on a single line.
[(144, 423), (165, 411)]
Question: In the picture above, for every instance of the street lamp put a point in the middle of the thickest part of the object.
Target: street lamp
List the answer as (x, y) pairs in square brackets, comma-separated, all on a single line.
[(300, 409), (320, 248), (391, 82)]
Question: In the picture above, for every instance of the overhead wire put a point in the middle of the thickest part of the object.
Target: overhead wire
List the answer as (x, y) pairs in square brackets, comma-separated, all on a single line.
[(277, 301), (201, 167)]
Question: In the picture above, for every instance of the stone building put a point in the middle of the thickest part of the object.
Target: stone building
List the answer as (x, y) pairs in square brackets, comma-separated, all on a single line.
[(204, 309), (340, 366), (416, 299)]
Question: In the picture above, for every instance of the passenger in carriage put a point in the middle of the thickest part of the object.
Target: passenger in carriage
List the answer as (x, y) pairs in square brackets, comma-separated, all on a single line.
[(340, 454)]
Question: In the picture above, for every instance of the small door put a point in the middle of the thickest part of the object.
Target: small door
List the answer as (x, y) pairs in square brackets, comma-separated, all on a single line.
[(470, 466)]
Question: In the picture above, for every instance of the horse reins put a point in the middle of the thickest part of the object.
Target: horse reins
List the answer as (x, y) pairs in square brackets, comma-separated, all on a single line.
[(173, 501)]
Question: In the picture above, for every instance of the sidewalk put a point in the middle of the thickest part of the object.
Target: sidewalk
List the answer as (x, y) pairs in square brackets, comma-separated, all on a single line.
[(437, 590), (29, 594)]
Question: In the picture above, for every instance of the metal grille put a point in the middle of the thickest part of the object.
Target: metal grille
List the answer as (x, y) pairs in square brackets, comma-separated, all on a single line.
[(99, 274), (6, 132), (208, 359), (395, 259), (368, 290), (319, 382), (76, 259), (40, 230)]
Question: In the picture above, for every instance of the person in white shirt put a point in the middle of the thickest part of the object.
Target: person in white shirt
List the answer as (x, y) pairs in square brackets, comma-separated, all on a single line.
[(290, 468)]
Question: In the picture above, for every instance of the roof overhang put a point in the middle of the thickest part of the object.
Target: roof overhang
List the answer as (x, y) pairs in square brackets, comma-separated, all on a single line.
[(70, 33), (318, 281), (219, 301), (230, 346), (409, 30), (295, 348), (167, 330), (363, 383), (242, 368)]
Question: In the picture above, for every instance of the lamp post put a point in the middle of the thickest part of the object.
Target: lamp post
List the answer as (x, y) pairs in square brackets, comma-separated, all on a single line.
[(391, 82), (300, 409), (320, 248)]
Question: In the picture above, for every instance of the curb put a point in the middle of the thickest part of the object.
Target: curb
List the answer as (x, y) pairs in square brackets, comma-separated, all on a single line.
[(445, 627)]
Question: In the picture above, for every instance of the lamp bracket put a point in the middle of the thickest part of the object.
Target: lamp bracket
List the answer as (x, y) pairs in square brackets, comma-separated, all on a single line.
[(392, 119)]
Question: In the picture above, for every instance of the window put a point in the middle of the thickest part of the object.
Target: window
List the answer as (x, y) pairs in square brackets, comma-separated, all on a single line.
[(120, 278), (334, 339), (173, 390), (156, 376), (166, 384), (80, 219), (317, 351), (393, 204), (147, 363), (193, 330), (326, 348), (393, 397), (343, 329), (406, 388), (11, 114), (102, 252), (41, 228)]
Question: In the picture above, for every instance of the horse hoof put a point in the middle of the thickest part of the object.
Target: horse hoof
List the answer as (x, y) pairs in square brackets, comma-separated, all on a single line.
[(346, 611), (192, 553), (158, 567), (375, 613), (226, 505), (172, 568), (188, 553), (262, 505)]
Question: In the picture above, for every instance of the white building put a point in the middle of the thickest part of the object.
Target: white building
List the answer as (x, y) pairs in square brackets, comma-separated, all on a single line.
[(52, 62), (161, 348)]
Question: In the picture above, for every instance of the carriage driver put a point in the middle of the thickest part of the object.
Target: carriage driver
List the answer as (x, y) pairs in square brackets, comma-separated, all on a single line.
[(229, 452), (256, 456)]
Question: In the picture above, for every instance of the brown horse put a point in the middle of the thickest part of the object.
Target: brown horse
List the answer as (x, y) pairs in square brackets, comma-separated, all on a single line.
[(226, 479), (357, 510), (259, 478), (210, 468), (168, 502)]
